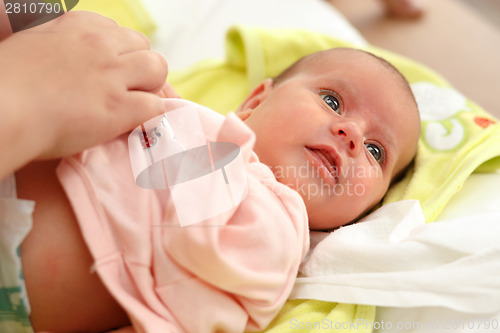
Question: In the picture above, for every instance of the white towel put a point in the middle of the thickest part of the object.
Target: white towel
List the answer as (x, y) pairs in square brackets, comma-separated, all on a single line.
[(392, 258)]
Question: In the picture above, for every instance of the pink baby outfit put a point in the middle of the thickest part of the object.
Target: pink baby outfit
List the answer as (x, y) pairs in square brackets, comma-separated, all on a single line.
[(230, 273)]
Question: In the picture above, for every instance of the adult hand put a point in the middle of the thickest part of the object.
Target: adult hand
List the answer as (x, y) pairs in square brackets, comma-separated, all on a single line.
[(72, 83)]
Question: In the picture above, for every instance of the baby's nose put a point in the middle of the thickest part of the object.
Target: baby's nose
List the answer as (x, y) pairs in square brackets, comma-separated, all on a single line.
[(349, 133)]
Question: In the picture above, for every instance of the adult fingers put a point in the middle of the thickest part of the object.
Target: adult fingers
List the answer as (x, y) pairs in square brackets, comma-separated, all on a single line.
[(86, 18), (167, 91), (100, 31), (139, 107), (131, 40), (118, 40), (144, 70)]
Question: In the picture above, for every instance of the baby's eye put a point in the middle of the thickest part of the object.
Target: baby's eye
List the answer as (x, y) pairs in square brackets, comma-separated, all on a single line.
[(332, 102), (377, 151)]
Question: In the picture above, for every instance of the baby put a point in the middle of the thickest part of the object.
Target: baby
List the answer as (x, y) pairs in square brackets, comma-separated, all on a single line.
[(329, 136)]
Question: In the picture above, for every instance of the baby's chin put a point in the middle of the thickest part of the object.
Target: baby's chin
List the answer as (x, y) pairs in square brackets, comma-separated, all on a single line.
[(326, 221), (329, 225), (338, 215)]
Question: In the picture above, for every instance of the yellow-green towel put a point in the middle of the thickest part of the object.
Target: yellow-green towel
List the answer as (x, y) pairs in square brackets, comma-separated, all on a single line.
[(128, 13), (318, 316)]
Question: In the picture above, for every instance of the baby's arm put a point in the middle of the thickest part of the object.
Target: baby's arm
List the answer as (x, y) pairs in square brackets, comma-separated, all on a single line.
[(251, 262), (249, 256)]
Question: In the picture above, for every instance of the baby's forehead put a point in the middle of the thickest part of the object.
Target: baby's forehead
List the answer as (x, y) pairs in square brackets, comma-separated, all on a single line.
[(338, 61), (354, 58), (329, 62)]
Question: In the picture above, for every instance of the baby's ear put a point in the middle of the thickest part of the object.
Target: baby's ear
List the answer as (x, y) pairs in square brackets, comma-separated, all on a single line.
[(254, 99)]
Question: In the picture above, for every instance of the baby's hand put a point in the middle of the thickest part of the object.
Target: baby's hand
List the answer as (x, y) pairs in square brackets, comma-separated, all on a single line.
[(404, 8), (82, 80)]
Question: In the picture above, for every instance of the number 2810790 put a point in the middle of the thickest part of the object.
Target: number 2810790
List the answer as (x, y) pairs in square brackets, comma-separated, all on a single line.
[(33, 8)]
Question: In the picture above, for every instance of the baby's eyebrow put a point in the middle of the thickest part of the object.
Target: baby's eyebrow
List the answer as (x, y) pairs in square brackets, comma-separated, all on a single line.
[(345, 89), (342, 86)]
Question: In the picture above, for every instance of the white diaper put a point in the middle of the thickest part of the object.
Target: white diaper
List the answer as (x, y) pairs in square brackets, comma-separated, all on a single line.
[(15, 223)]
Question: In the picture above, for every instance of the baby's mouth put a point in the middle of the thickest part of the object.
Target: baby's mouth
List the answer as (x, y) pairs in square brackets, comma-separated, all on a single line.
[(326, 160)]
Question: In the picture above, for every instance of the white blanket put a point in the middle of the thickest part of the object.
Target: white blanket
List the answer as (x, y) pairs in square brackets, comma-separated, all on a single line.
[(193, 30), (392, 258)]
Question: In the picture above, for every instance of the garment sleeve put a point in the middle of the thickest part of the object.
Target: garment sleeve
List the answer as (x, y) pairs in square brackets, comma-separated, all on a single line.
[(241, 264), (253, 257)]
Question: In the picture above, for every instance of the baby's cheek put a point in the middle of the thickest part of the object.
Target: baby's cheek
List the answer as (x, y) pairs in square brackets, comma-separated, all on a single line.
[(370, 188)]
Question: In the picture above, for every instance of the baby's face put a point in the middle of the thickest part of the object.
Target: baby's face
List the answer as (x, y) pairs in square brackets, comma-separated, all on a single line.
[(337, 133)]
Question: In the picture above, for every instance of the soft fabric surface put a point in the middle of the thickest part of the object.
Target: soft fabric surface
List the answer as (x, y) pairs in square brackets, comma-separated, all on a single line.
[(457, 137), (393, 258), (193, 30)]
